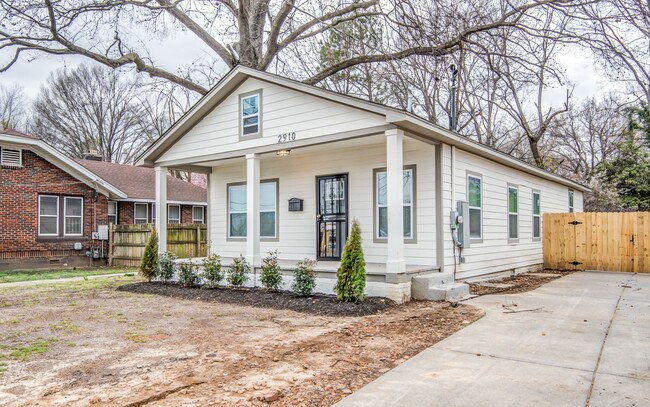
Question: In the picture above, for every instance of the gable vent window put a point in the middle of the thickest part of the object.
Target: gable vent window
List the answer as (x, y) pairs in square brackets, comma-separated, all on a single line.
[(11, 157), (250, 115)]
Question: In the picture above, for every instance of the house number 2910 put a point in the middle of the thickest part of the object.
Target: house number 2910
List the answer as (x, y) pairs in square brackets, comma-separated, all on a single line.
[(284, 137)]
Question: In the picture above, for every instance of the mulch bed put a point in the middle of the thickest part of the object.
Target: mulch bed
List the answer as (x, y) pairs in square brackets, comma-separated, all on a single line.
[(520, 283), (317, 304)]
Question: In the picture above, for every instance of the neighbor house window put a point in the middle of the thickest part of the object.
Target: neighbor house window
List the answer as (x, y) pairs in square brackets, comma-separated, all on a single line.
[(513, 213), (197, 215), (141, 213), (174, 214), (537, 213), (153, 213), (408, 202), (11, 157), (112, 212), (73, 220), (475, 200), (48, 215), (250, 114), (268, 210), (570, 201)]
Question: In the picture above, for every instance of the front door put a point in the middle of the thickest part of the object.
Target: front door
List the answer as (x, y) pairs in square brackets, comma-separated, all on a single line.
[(332, 215)]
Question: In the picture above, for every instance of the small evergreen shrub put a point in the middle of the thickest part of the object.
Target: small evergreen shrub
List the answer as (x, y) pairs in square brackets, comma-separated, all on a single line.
[(212, 272), (238, 271), (351, 275), (166, 266), (271, 275), (304, 278), (149, 262), (187, 274)]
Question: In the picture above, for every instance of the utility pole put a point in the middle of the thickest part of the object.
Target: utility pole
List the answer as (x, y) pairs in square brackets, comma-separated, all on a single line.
[(454, 89)]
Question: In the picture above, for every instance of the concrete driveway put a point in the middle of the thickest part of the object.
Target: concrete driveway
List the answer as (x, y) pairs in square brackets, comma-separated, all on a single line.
[(582, 340)]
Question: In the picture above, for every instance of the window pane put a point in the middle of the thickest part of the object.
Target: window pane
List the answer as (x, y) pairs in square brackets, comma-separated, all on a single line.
[(250, 129), (408, 186), (512, 227), (174, 212), (383, 223), (112, 219), (48, 205), (382, 192), (140, 221), (238, 225), (536, 204), (407, 221), (571, 199), (267, 224), (536, 226), (250, 105), (512, 200), (237, 198), (197, 213), (474, 190), (72, 226), (72, 207), (250, 121), (141, 211), (112, 208), (267, 196), (475, 223), (48, 225)]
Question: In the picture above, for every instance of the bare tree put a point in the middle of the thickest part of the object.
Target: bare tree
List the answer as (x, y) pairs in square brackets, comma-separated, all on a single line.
[(254, 33), (91, 108), (13, 107)]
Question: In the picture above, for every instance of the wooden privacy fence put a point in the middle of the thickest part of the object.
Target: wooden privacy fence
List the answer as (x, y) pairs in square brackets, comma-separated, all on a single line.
[(597, 241), (127, 242)]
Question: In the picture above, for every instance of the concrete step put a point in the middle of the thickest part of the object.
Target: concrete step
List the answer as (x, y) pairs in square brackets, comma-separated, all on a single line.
[(438, 287)]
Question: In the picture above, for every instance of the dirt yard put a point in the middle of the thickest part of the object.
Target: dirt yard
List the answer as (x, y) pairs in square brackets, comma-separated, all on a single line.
[(86, 343), (520, 283)]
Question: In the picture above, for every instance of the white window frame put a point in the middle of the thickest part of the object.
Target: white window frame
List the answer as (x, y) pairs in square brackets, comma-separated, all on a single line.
[(135, 213), (413, 226), (479, 177), (48, 216), (175, 221), (108, 211), (572, 201), (516, 189), (229, 212), (254, 94), (11, 163), (539, 215), (275, 209), (66, 216), (197, 220)]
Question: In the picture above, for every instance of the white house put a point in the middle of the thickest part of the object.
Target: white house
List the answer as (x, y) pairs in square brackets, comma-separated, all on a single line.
[(265, 140)]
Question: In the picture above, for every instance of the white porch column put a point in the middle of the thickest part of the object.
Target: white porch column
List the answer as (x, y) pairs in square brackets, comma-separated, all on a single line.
[(161, 207), (253, 209), (395, 193)]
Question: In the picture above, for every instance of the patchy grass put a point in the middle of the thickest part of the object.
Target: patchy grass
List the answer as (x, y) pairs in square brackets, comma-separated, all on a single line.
[(32, 275), (66, 326), (23, 353)]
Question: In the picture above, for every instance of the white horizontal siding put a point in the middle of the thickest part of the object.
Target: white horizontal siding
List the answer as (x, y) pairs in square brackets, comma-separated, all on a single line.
[(283, 110), (297, 179), (496, 253)]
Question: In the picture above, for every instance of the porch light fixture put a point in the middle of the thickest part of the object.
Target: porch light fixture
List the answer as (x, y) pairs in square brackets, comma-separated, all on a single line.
[(283, 153)]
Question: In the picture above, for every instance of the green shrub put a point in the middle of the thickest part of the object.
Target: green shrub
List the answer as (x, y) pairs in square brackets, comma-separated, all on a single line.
[(271, 275), (351, 276), (166, 266), (187, 274), (304, 278), (149, 262), (238, 271), (212, 272)]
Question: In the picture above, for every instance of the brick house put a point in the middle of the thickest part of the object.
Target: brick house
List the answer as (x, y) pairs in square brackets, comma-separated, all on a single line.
[(49, 205), (186, 202)]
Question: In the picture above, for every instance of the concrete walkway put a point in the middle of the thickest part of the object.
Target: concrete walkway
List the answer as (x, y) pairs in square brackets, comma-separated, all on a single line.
[(588, 344), (57, 280)]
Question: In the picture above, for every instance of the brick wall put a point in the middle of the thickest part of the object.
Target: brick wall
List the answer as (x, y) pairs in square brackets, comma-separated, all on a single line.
[(125, 213), (19, 191)]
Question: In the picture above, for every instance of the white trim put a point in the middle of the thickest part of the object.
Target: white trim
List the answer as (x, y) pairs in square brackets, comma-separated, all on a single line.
[(65, 215), (255, 94), (49, 216), (194, 220), (516, 189), (16, 152), (479, 177), (135, 218), (169, 217), (538, 216)]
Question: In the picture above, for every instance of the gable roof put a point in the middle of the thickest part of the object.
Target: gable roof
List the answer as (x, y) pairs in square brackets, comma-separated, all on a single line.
[(16, 139), (400, 118), (139, 183)]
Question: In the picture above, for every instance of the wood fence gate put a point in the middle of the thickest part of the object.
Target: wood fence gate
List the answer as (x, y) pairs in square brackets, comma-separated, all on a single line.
[(605, 241), (127, 242)]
